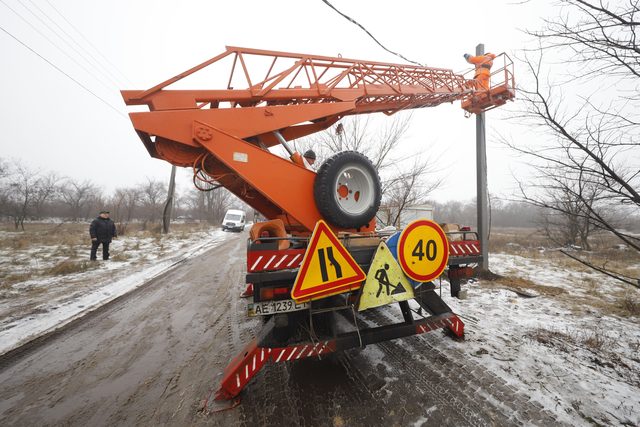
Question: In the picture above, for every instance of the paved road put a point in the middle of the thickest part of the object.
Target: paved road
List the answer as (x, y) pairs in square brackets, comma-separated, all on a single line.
[(152, 357)]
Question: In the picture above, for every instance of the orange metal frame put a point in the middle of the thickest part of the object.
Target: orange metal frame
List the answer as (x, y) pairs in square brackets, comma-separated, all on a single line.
[(225, 134)]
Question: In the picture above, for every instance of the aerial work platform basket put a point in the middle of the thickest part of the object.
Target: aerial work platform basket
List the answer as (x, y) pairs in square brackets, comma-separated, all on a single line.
[(501, 89)]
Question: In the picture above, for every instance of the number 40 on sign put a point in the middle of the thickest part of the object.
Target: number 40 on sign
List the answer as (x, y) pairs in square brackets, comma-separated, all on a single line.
[(423, 250)]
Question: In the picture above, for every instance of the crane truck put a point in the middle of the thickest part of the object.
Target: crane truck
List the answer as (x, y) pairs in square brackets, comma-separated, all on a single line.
[(318, 252)]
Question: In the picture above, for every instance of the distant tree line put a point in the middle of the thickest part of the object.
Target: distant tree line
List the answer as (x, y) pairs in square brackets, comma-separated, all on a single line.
[(502, 213), (28, 194)]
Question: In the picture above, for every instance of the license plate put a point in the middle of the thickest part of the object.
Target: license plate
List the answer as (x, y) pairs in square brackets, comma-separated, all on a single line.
[(273, 307)]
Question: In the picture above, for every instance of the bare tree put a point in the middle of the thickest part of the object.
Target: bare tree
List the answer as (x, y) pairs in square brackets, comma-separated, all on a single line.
[(124, 203), (405, 188), (357, 133), (567, 202), (210, 205), (152, 195), (592, 153), (48, 188), (4, 168), (20, 189), (401, 186), (78, 196)]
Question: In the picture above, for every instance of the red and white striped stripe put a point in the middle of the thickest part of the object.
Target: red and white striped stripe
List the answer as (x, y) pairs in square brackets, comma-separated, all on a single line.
[(467, 247), (299, 351), (274, 260), (453, 323)]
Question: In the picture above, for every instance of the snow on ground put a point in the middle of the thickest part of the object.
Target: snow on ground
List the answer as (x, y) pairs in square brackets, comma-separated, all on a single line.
[(574, 357), (44, 303), (556, 333), (581, 362)]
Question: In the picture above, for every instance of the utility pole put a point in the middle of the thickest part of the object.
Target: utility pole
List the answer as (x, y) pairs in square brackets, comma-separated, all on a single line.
[(481, 182), (168, 206)]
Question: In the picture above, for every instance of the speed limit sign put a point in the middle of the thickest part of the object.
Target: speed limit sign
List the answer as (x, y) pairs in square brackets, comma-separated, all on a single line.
[(423, 250)]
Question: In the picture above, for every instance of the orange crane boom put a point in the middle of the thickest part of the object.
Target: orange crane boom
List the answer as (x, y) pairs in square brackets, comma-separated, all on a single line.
[(273, 97)]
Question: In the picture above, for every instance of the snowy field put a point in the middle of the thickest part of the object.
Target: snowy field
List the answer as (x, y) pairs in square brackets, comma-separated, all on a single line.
[(569, 338), (50, 282)]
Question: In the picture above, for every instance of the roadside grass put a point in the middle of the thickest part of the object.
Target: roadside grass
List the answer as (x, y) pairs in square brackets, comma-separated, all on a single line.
[(600, 347), (620, 302), (60, 249), (630, 304), (10, 279), (587, 291), (594, 338), (522, 285), (68, 266), (605, 250)]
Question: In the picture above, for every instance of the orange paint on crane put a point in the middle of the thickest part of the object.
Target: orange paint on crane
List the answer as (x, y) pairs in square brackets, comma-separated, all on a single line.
[(225, 134)]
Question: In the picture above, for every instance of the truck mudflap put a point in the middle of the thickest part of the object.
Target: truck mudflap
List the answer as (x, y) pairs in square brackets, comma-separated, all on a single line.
[(256, 355)]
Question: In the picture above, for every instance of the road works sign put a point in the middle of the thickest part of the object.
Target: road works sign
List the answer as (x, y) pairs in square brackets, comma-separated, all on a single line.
[(423, 250), (327, 268), (386, 283)]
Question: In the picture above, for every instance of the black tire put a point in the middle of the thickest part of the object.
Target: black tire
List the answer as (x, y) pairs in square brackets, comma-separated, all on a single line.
[(338, 210)]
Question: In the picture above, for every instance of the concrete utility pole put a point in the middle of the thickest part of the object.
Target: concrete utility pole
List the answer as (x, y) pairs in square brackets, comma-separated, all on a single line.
[(168, 206), (481, 182)]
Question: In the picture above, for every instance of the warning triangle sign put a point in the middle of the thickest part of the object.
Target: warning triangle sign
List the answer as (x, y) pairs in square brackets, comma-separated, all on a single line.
[(327, 268), (386, 283)]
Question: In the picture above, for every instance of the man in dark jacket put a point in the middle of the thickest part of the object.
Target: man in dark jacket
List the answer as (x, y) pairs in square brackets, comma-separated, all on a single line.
[(102, 230)]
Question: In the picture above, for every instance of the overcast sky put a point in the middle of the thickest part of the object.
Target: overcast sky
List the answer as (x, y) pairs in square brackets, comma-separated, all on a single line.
[(51, 123)]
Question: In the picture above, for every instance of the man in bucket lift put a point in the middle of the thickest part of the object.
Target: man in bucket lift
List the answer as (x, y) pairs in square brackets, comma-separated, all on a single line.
[(483, 64)]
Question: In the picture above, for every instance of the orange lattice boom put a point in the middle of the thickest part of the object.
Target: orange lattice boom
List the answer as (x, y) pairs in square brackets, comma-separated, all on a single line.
[(273, 97)]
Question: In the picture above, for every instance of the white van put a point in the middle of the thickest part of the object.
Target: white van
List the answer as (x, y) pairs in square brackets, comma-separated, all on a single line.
[(234, 219)]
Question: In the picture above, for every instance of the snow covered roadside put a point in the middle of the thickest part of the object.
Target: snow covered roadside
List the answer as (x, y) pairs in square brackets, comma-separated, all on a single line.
[(558, 339), (565, 348), (62, 299)]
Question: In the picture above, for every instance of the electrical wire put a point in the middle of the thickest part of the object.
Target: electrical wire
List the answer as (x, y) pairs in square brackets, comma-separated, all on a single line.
[(353, 21), (89, 42), (94, 64), (63, 72), (51, 42)]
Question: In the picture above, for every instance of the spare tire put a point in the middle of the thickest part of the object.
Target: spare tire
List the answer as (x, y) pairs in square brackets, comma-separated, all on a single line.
[(347, 190)]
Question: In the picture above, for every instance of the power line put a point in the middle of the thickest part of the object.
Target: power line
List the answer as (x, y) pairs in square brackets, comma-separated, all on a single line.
[(95, 63), (52, 43), (88, 41), (353, 21), (62, 71)]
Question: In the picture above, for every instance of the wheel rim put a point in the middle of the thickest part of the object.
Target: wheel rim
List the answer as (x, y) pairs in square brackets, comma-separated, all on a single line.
[(354, 189)]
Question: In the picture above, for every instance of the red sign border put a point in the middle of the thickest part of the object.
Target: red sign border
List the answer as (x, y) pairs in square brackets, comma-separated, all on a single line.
[(332, 288), (402, 240)]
